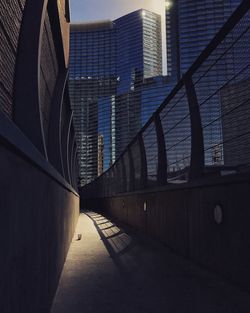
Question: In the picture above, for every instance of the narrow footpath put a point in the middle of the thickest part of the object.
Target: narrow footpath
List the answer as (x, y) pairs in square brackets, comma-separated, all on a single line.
[(110, 270)]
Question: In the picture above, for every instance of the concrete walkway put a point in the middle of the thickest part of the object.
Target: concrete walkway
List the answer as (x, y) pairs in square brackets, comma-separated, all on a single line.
[(111, 271)]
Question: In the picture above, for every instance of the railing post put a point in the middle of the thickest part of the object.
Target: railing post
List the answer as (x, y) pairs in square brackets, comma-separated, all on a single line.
[(144, 168), (131, 170), (65, 143), (118, 177), (27, 102), (54, 140), (162, 156), (197, 143), (115, 180), (124, 175)]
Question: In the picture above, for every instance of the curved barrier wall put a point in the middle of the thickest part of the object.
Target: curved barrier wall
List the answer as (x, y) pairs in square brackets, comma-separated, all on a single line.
[(185, 179), (39, 202)]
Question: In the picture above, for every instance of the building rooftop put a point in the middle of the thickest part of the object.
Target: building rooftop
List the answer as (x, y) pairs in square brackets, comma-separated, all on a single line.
[(91, 26)]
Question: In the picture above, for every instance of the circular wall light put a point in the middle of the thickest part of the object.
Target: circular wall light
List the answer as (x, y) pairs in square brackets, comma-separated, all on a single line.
[(218, 214)]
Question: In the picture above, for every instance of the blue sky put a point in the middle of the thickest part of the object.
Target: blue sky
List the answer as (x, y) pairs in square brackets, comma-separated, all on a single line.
[(91, 10)]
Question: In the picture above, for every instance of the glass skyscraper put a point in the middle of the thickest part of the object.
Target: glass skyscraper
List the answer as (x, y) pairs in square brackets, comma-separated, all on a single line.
[(154, 91), (109, 63), (190, 25), (92, 84), (139, 56), (207, 17), (172, 39)]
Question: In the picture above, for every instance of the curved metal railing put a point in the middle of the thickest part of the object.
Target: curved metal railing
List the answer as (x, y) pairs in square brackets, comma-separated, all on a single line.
[(202, 126)]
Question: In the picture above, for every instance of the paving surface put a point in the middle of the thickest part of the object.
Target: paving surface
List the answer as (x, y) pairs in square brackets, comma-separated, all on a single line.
[(110, 270)]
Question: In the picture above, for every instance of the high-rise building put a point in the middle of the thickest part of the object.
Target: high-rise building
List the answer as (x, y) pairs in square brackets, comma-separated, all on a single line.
[(139, 56), (100, 155), (190, 25), (199, 21), (139, 48), (108, 66), (92, 83), (154, 91), (172, 39), (235, 107)]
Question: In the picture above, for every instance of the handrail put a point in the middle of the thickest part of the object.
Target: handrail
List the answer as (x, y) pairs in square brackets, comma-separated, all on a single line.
[(190, 149)]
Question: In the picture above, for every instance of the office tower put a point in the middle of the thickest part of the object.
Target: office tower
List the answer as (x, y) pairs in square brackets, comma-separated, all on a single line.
[(190, 25), (139, 48), (235, 107), (92, 82), (199, 21), (108, 65), (172, 39), (139, 56), (154, 91), (100, 154)]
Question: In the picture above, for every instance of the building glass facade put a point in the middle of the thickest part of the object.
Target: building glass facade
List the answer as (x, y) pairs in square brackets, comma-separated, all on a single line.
[(109, 63), (172, 39), (199, 21), (139, 57), (92, 83), (190, 26), (154, 92)]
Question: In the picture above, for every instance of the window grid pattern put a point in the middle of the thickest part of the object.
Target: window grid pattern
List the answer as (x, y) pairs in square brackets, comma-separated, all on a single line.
[(221, 87)]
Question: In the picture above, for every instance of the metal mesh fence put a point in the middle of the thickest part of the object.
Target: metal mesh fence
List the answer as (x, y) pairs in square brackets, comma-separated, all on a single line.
[(48, 74), (136, 157), (150, 143), (10, 24), (220, 84), (202, 126), (31, 65), (175, 119)]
